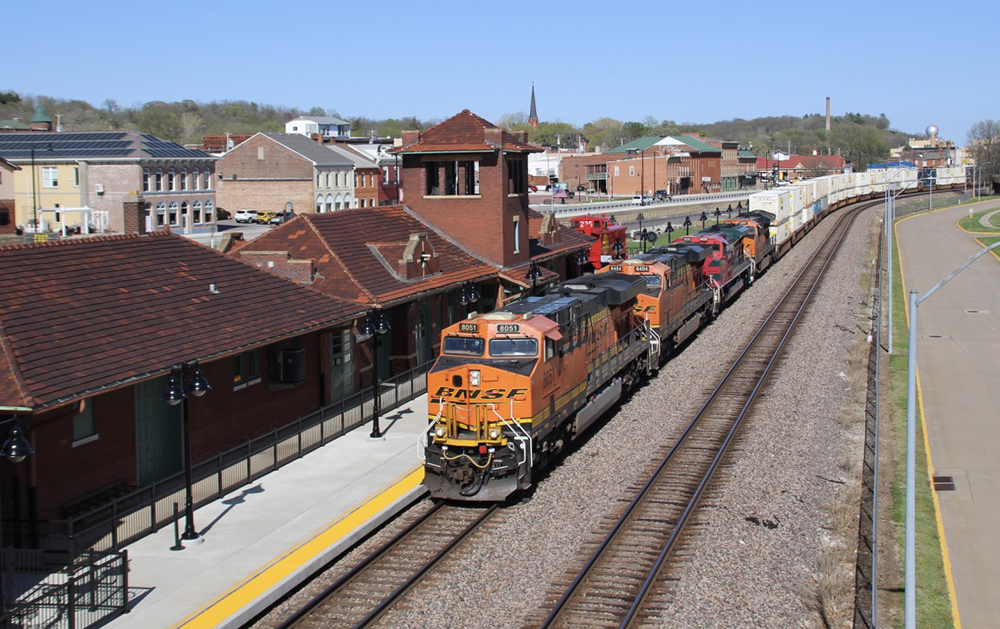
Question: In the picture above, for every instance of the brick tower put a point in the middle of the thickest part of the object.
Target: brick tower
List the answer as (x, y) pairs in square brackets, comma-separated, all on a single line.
[(468, 178), (533, 116)]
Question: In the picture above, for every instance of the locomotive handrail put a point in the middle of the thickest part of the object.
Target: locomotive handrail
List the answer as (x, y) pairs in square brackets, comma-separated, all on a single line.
[(422, 442), (516, 427)]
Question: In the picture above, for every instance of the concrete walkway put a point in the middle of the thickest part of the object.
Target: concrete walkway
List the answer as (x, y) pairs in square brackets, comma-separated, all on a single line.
[(958, 362), (264, 539)]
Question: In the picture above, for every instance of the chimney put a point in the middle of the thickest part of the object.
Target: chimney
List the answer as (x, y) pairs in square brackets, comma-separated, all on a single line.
[(134, 213), (410, 137), (828, 114)]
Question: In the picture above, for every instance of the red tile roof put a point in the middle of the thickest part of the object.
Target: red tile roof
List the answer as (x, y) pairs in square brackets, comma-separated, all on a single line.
[(86, 315), (352, 248), (465, 131)]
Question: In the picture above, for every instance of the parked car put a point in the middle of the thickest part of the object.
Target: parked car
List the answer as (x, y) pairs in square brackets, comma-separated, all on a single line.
[(640, 199), (661, 195), (246, 216), (532, 188), (281, 217), (222, 214), (264, 217)]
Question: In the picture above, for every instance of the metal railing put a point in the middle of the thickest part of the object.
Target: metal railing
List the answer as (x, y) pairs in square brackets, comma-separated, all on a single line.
[(626, 204), (146, 510), (56, 591)]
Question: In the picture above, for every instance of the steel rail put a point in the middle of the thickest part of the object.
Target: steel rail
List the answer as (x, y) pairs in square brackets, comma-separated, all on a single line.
[(558, 608)]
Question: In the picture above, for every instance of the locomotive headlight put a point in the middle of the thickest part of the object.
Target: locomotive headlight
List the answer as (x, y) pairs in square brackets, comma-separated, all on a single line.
[(494, 433), (474, 377), (440, 431)]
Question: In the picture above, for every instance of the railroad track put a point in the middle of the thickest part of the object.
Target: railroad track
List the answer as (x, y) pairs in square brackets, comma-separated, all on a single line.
[(361, 596), (614, 587)]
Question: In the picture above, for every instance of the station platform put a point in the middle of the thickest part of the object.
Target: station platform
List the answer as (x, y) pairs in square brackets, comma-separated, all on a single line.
[(958, 366), (263, 539)]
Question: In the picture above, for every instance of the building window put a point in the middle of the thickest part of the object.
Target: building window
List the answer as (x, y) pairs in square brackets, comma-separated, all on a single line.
[(84, 426), (208, 179), (517, 234), (260, 153), (319, 203), (516, 171), (172, 216), (161, 214), (159, 180), (361, 202), (245, 369), (50, 177), (631, 171), (184, 179), (356, 179), (145, 180), (327, 180), (185, 215), (76, 177), (196, 207), (385, 173), (319, 181), (209, 211), (171, 184)]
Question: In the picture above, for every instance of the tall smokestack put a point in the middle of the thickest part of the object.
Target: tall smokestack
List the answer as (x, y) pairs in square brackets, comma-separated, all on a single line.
[(828, 114)]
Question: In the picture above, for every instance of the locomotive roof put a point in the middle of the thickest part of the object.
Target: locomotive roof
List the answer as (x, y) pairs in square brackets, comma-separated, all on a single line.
[(590, 293), (693, 251)]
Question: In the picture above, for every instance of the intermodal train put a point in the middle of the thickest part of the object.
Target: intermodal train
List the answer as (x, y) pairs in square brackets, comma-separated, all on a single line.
[(512, 387)]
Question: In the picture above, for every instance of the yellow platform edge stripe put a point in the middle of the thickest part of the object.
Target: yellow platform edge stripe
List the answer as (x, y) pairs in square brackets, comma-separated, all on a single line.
[(945, 556), (281, 567)]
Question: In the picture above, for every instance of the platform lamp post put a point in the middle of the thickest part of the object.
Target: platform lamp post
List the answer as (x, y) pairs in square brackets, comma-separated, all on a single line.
[(729, 211), (669, 230), (176, 393), (374, 325), (739, 207), (910, 605), (718, 213), (703, 219), (15, 449), (687, 225), (469, 294), (581, 259), (533, 274), (619, 249), (642, 234)]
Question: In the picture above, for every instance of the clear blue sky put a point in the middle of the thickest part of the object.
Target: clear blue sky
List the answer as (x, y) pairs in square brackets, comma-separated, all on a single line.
[(917, 62)]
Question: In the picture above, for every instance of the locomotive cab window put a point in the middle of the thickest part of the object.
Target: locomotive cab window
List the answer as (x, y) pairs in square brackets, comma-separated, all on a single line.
[(653, 281), (550, 349), (463, 345), (513, 347)]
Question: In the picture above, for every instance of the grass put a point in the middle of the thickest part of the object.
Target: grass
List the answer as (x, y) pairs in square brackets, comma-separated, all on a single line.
[(933, 598), (972, 223)]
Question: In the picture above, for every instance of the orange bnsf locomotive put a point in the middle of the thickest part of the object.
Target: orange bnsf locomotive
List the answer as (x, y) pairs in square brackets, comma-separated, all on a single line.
[(512, 386)]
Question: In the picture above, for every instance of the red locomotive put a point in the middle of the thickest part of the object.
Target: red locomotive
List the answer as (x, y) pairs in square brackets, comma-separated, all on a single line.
[(607, 232)]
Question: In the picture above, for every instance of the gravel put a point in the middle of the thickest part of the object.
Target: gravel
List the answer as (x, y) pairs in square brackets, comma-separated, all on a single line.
[(775, 540)]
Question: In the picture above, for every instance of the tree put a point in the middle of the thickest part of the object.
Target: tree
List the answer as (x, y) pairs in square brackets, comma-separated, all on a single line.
[(9, 97), (861, 144), (159, 119), (984, 144)]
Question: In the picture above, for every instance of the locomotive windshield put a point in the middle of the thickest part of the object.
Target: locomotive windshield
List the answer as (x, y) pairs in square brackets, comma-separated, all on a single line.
[(468, 346), (513, 347), (653, 281)]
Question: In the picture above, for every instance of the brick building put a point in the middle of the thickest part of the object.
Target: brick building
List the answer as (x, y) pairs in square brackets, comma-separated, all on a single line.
[(60, 171), (118, 312), (271, 169)]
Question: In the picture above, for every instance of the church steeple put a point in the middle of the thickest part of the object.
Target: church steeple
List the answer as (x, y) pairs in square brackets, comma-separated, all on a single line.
[(533, 116)]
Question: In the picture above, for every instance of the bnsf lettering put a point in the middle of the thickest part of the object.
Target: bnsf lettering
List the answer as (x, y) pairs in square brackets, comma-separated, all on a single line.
[(477, 394)]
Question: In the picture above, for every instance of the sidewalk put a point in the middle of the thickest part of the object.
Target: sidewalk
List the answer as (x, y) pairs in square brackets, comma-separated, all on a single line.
[(264, 539), (958, 334)]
